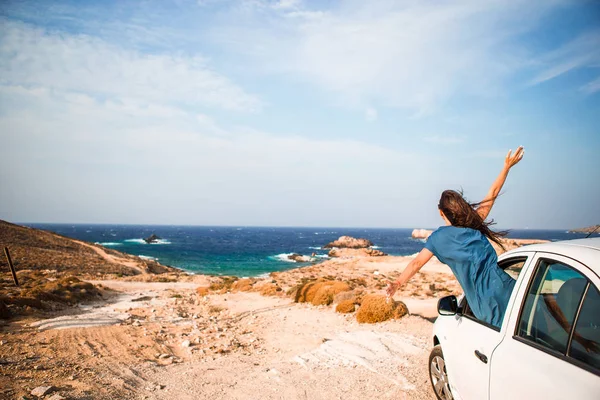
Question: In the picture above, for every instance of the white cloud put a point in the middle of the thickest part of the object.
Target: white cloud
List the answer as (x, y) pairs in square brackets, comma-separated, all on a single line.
[(403, 54), (582, 52), (92, 160), (591, 87), (79, 63)]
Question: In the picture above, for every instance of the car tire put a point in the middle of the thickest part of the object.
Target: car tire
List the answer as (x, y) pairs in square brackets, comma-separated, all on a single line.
[(438, 375)]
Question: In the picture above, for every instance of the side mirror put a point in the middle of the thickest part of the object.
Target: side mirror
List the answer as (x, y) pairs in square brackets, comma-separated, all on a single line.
[(448, 305)]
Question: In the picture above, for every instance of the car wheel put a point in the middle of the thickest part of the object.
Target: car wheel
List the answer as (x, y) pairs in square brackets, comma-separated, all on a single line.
[(438, 375)]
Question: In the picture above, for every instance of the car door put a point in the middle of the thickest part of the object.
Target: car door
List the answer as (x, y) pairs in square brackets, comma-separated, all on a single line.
[(472, 343), (552, 346)]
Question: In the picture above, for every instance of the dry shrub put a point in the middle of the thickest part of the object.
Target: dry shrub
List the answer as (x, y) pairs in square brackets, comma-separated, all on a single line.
[(215, 309), (270, 289), (202, 290), (65, 290), (345, 307), (354, 295), (242, 285), (37, 292), (319, 292), (354, 282), (224, 283), (378, 308)]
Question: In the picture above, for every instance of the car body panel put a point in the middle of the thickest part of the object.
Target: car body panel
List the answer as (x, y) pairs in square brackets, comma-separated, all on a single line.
[(554, 377)]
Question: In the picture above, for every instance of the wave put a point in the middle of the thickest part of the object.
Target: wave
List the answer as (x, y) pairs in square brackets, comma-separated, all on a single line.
[(282, 257), (142, 241), (161, 241), (315, 248), (375, 247), (147, 257), (109, 243)]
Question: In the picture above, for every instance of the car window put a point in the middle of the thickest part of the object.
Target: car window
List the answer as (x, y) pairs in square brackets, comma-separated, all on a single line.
[(585, 345), (551, 305), (513, 266)]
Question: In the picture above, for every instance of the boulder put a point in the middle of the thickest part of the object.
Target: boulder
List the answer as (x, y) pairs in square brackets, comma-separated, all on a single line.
[(41, 391), (348, 242), (152, 239), (299, 258), (421, 233)]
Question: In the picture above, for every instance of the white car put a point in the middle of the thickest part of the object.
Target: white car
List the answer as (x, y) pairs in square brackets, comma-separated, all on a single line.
[(548, 346)]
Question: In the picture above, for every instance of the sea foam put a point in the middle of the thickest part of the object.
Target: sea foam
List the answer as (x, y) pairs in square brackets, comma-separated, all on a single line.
[(109, 244), (142, 241), (282, 257)]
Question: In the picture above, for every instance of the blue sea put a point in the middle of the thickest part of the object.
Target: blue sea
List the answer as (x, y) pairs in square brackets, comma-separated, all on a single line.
[(246, 251)]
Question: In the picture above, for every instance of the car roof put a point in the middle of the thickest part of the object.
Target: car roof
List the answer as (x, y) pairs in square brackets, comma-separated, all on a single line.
[(586, 251)]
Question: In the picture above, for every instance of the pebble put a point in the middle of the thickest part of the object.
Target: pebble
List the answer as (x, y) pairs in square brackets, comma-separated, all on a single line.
[(42, 391), (185, 343), (56, 397)]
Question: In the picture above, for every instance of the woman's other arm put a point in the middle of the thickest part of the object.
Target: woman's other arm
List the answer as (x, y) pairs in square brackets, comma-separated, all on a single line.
[(511, 160), (411, 269)]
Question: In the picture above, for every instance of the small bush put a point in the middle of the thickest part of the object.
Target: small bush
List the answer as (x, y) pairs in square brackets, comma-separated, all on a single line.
[(378, 308), (270, 289), (345, 307), (242, 285), (224, 284), (65, 290), (319, 292), (354, 295)]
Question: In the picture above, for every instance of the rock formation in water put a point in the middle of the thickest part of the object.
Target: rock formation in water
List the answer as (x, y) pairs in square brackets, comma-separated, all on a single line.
[(348, 242), (421, 233), (152, 239), (299, 258)]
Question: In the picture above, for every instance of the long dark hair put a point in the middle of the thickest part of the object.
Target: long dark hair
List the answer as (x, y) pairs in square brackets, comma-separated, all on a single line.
[(464, 214)]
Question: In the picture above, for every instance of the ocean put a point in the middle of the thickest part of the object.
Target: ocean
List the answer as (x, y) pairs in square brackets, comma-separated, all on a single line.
[(247, 251)]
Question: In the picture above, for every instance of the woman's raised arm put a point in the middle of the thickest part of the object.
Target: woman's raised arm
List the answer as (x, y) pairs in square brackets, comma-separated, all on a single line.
[(510, 161)]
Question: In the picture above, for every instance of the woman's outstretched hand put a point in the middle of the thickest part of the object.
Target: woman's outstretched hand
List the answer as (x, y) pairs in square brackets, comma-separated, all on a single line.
[(392, 288), (512, 159)]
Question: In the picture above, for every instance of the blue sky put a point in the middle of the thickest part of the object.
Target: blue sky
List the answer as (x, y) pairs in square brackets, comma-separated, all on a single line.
[(297, 113)]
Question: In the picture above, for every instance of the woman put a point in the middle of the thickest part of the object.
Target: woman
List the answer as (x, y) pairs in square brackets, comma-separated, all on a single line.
[(463, 245)]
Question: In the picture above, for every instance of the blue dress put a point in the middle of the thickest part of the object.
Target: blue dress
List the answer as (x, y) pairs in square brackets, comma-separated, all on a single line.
[(474, 263)]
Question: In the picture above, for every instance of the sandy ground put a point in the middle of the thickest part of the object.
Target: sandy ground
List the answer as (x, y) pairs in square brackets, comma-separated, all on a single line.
[(162, 341)]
